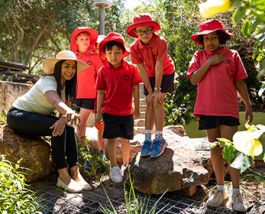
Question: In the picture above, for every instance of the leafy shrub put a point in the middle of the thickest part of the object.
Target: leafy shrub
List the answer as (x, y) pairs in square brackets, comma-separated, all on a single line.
[(14, 195)]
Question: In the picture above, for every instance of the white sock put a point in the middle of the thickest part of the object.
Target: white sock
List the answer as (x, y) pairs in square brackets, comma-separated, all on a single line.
[(148, 134), (236, 190), (158, 134), (220, 187)]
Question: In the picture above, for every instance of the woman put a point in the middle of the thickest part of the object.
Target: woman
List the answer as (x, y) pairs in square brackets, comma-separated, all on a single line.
[(31, 115)]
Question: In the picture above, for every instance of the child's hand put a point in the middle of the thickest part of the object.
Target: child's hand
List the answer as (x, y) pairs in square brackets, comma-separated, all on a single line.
[(136, 114), (248, 115), (148, 99), (158, 98), (98, 117), (216, 59)]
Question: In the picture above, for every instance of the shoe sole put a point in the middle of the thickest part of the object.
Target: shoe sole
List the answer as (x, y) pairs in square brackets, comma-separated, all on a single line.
[(152, 157), (145, 155)]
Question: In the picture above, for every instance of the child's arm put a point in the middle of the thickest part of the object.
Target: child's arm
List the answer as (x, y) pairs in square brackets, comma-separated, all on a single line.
[(243, 92), (100, 98), (158, 74), (145, 78), (202, 71), (136, 99)]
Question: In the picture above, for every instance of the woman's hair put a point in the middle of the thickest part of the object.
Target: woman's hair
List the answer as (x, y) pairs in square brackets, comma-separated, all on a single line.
[(70, 85), (223, 37), (109, 45)]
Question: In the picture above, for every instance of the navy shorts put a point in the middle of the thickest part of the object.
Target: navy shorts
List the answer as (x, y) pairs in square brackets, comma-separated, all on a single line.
[(118, 126), (86, 103), (211, 122), (167, 84)]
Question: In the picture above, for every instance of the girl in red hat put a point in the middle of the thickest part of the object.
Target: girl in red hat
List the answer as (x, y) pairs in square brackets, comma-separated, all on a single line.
[(219, 75), (117, 81), (149, 52), (83, 43)]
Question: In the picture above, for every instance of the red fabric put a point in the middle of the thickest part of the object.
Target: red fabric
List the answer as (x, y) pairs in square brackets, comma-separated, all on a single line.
[(111, 37), (86, 80), (149, 54), (118, 85), (216, 92)]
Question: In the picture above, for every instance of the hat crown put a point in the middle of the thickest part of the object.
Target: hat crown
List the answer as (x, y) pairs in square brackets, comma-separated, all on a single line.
[(142, 18), (213, 24), (66, 54)]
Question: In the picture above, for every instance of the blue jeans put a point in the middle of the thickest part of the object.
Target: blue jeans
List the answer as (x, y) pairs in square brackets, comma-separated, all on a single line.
[(64, 147)]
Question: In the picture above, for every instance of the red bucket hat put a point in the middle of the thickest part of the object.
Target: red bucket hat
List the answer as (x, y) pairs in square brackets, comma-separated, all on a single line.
[(93, 37), (209, 26), (140, 21), (112, 36)]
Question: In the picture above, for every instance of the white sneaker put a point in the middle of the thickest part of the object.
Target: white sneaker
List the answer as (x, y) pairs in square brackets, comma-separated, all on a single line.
[(236, 203), (115, 174), (217, 199), (72, 187)]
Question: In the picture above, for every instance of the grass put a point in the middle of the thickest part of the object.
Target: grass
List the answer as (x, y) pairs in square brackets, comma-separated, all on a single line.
[(193, 132)]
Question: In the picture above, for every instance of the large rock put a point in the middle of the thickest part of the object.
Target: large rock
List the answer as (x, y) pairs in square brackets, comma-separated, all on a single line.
[(35, 154), (182, 165)]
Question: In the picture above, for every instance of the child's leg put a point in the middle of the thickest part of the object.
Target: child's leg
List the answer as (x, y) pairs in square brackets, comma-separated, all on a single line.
[(111, 146), (216, 156), (125, 146), (149, 117), (84, 114), (228, 132), (159, 112)]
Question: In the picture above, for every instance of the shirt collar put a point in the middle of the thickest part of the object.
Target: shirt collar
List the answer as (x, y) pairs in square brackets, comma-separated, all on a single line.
[(223, 51), (123, 64)]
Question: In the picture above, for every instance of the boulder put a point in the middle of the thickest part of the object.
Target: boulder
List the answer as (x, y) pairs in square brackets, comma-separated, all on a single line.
[(34, 154), (182, 165)]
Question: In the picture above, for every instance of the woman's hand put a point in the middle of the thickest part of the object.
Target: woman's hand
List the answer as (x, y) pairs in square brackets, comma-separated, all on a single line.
[(58, 127), (72, 118)]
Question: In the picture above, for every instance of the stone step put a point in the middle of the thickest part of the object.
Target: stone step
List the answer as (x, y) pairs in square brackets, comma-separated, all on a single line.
[(139, 122), (138, 130)]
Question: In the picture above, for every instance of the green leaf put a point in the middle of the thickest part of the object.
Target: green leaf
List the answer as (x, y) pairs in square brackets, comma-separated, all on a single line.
[(242, 162), (229, 153), (238, 14)]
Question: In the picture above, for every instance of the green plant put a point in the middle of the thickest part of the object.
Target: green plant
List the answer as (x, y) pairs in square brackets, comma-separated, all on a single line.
[(14, 195), (246, 146), (3, 118), (98, 166), (134, 204)]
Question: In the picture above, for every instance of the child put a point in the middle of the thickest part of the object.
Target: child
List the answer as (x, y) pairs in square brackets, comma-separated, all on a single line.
[(31, 115), (150, 53), (219, 74), (117, 81), (83, 42)]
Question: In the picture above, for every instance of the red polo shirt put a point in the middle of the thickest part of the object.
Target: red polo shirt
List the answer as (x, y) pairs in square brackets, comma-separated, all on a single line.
[(86, 80), (216, 92), (149, 54), (118, 85)]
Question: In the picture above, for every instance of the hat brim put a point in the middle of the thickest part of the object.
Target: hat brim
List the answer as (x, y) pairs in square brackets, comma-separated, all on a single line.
[(105, 41), (194, 37), (49, 65), (131, 28), (93, 38)]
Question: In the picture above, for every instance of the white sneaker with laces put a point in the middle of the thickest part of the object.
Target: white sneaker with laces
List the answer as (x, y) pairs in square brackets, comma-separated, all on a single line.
[(217, 199), (115, 174), (236, 202)]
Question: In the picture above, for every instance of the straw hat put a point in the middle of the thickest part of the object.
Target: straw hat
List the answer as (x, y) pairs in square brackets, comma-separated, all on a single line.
[(141, 21), (112, 36), (49, 63), (210, 26), (92, 33)]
